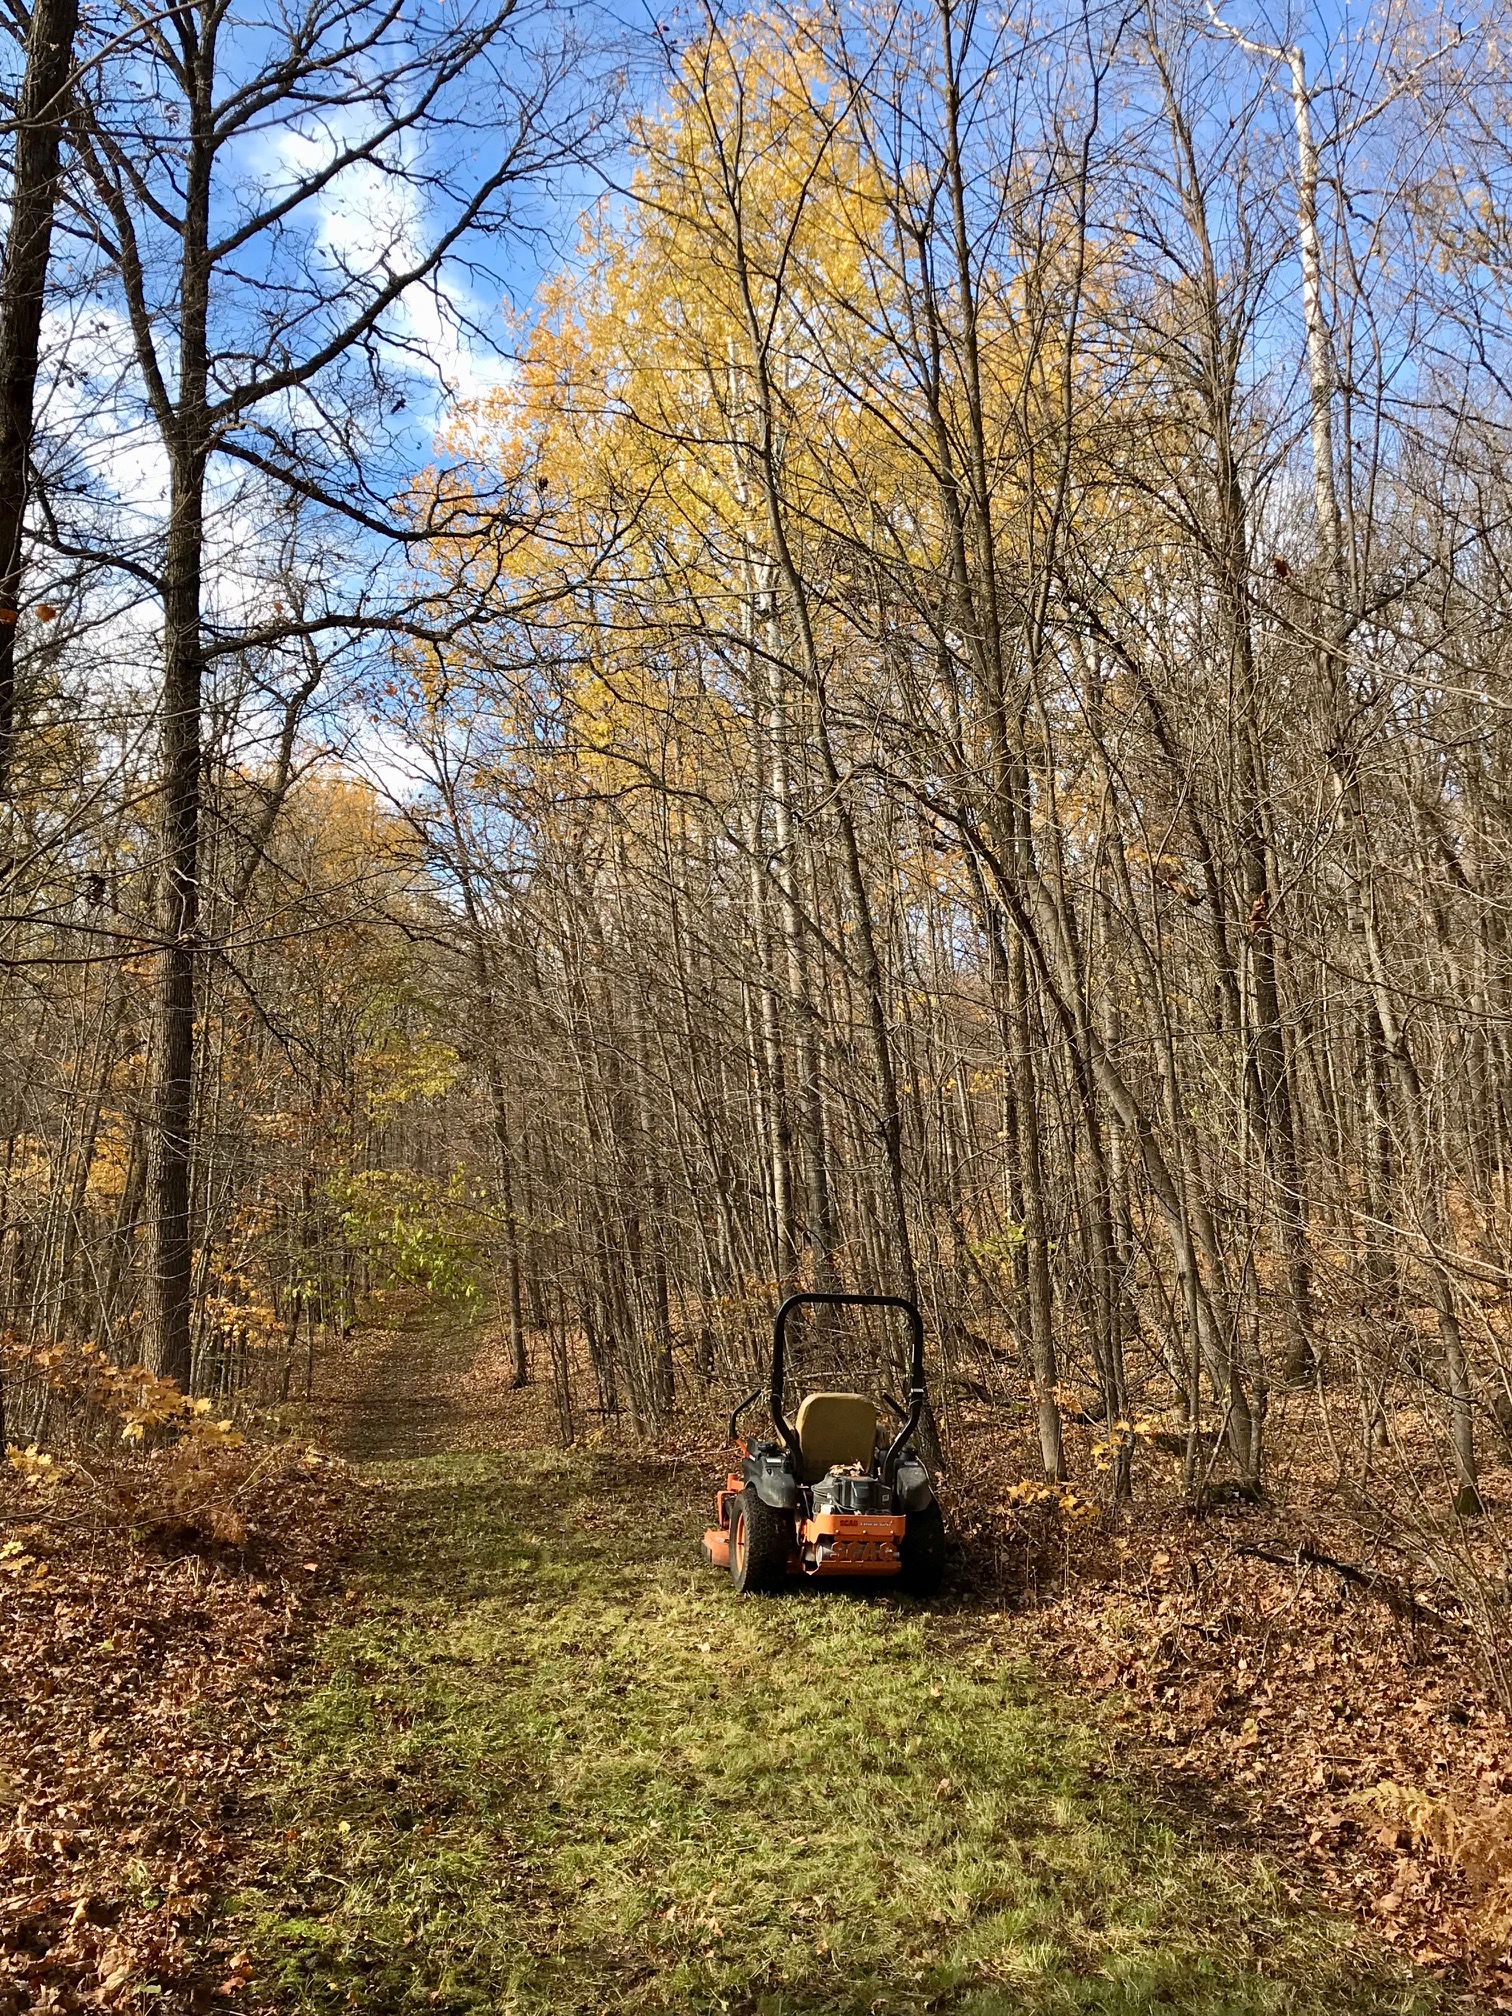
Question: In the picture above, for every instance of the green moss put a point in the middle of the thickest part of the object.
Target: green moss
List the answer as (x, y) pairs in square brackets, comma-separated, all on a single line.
[(557, 1766)]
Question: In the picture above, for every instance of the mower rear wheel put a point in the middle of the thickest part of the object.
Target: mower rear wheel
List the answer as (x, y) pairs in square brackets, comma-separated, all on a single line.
[(760, 1540), (921, 1557)]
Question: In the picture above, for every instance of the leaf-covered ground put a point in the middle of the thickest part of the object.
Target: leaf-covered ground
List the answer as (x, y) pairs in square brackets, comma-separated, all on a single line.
[(152, 1611), (551, 1763)]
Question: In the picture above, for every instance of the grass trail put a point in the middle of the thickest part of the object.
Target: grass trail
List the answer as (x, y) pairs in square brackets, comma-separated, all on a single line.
[(552, 1764)]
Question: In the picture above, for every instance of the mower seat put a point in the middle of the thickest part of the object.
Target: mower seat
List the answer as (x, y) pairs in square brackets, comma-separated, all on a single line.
[(835, 1429)]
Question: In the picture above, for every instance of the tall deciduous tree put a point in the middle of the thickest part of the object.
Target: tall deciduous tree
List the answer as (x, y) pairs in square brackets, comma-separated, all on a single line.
[(284, 201), (38, 129)]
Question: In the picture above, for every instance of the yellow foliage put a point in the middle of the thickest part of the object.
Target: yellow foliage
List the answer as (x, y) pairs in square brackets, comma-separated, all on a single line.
[(401, 1067), (749, 321), (36, 1470), (1036, 1491), (143, 1402), (30, 1175), (108, 1169), (14, 1560)]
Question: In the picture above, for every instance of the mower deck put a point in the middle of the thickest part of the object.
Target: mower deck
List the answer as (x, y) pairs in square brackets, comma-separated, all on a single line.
[(831, 1543)]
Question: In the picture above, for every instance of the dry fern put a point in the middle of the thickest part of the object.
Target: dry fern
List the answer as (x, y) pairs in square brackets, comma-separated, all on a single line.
[(1478, 1844)]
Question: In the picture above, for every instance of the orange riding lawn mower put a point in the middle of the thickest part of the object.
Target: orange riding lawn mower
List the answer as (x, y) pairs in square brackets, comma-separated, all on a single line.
[(834, 1496)]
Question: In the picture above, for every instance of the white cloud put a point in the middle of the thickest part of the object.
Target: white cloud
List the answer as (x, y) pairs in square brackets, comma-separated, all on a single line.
[(371, 213)]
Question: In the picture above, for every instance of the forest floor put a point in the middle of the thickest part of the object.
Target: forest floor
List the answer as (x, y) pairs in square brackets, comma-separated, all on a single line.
[(155, 1610), (457, 1720), (546, 1761)]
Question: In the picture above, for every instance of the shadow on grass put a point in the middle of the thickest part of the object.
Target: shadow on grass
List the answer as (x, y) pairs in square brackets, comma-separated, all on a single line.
[(607, 1502)]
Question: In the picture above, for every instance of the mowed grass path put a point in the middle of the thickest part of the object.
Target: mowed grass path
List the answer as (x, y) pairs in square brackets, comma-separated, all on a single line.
[(555, 1765)]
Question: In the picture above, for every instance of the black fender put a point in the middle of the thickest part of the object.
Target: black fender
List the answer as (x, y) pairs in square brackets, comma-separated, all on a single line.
[(911, 1485), (770, 1473)]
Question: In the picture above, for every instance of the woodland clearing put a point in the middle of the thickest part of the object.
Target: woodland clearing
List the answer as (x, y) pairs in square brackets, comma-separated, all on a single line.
[(553, 1766), (538, 1758), (544, 1760), (653, 669)]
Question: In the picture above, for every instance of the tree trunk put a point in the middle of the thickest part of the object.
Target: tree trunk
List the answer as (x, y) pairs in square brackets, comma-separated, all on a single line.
[(180, 767), (171, 1154), (34, 190)]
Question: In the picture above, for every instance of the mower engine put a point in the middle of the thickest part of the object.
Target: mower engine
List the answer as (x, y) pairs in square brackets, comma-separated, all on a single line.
[(851, 1490)]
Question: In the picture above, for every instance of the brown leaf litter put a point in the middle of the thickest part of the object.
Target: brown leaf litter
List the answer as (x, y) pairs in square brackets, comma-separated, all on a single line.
[(154, 1608)]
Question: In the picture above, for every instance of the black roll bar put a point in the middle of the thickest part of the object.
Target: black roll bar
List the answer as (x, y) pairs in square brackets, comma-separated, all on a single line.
[(915, 1412)]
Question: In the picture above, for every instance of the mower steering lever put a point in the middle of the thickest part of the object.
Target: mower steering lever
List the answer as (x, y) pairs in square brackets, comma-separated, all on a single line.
[(905, 1434), (735, 1416)]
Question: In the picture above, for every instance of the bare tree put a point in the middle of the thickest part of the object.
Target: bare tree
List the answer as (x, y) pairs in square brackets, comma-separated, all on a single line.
[(273, 350), (39, 118)]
